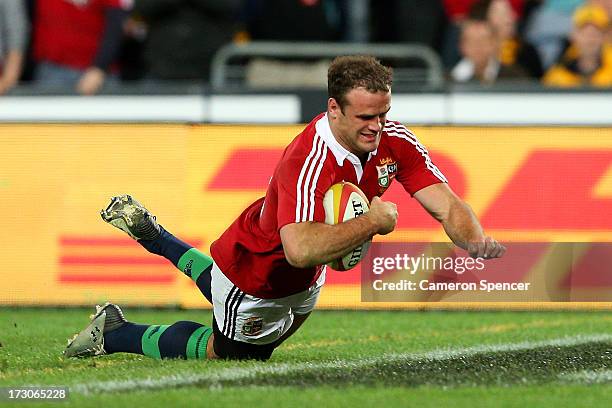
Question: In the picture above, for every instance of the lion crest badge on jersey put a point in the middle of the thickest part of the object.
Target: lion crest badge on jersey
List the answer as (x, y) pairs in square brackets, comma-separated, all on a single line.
[(383, 176), (386, 172), (252, 326)]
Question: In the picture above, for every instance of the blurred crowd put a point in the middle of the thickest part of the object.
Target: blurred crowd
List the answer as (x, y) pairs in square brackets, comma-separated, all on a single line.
[(85, 45)]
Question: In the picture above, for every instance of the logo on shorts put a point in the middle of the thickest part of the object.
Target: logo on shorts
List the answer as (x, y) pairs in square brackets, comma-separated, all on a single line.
[(252, 326)]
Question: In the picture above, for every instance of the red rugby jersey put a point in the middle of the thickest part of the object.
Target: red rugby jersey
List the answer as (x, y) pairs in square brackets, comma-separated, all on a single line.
[(68, 32), (250, 252)]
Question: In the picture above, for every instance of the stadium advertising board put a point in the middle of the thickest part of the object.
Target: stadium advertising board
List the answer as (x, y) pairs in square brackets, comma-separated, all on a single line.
[(529, 186)]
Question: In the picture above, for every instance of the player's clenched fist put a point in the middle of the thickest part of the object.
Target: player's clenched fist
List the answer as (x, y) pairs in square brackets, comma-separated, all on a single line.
[(383, 214), (487, 248)]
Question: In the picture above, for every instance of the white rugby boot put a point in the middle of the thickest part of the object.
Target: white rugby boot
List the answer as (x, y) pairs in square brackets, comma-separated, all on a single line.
[(131, 217), (89, 342)]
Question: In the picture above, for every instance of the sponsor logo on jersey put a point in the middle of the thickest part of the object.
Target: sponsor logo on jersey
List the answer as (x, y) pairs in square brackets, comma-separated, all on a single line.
[(252, 326)]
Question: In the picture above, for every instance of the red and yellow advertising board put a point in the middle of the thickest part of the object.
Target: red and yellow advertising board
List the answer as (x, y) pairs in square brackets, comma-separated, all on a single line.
[(526, 184)]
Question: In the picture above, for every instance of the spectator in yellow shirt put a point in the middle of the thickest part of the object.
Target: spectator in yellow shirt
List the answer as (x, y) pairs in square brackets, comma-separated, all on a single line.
[(590, 62)]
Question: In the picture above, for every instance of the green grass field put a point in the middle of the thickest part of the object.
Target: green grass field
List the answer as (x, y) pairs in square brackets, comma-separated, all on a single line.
[(462, 359)]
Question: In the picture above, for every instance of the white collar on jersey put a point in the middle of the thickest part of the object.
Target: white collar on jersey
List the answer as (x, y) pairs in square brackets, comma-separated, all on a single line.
[(340, 153)]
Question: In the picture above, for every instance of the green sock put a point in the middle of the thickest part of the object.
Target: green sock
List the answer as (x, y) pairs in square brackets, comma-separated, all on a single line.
[(193, 263), (150, 340), (186, 340), (196, 345)]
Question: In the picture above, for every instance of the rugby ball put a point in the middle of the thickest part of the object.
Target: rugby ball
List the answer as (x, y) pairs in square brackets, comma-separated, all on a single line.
[(342, 202)]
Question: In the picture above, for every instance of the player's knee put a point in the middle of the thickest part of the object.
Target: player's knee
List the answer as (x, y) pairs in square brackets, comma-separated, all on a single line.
[(210, 349)]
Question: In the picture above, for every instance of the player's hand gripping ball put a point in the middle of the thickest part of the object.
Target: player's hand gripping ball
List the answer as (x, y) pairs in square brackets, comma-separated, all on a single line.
[(342, 202)]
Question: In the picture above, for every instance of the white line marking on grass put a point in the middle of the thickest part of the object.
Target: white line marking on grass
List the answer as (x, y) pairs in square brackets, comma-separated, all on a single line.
[(588, 377), (237, 373)]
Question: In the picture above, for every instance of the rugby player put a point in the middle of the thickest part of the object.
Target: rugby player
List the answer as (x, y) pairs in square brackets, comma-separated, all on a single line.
[(266, 270)]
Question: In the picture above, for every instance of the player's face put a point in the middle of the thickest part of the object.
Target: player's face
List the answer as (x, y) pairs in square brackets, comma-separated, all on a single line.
[(478, 43), (589, 40), (359, 127), (503, 18)]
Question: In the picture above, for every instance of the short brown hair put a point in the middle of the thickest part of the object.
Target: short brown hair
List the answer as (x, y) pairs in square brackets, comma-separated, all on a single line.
[(350, 72)]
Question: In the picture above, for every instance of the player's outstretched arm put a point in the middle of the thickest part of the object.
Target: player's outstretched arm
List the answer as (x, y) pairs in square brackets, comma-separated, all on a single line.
[(459, 221), (308, 244)]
